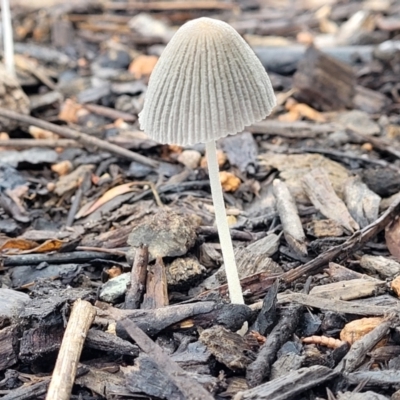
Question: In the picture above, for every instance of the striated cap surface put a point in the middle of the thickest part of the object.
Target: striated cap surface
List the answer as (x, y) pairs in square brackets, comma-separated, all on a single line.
[(207, 84)]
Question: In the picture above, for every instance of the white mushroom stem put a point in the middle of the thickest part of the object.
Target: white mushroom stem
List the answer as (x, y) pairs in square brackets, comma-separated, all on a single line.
[(235, 290), (8, 43)]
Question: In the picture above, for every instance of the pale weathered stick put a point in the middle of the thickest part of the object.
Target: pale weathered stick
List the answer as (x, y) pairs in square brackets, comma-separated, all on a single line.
[(289, 215), (83, 138), (82, 316)]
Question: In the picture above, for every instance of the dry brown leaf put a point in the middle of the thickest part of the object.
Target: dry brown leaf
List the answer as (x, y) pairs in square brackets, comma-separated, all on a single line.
[(229, 182), (358, 328), (47, 246), (392, 236), (18, 244), (109, 195), (142, 66)]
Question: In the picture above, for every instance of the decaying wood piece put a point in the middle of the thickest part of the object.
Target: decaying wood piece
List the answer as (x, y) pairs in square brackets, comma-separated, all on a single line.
[(29, 392), (362, 203), (190, 389), (324, 82), (288, 386), (11, 303), (339, 273), (385, 267), (82, 316), (260, 369), (285, 364), (256, 284), (339, 306), (8, 347), (291, 223), (384, 353), (193, 356), (136, 288), (231, 316), (204, 314), (101, 381), (285, 59), (37, 389), (147, 377), (320, 191), (370, 101), (153, 321), (321, 228), (229, 348), (359, 350), (41, 341), (353, 395), (104, 341), (267, 315), (183, 273), (294, 130), (347, 248), (156, 295), (385, 378), (250, 260), (350, 289), (255, 257)]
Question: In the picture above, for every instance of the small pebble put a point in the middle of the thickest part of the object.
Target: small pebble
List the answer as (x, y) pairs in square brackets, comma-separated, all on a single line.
[(115, 288), (190, 158)]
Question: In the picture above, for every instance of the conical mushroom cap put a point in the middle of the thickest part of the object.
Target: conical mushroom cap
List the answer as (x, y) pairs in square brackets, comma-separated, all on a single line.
[(207, 84)]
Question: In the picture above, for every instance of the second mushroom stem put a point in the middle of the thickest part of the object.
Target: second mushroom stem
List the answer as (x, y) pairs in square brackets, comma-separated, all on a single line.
[(235, 290), (8, 42)]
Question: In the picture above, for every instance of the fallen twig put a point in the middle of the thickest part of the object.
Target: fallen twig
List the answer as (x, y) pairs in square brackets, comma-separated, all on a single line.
[(80, 137), (81, 318)]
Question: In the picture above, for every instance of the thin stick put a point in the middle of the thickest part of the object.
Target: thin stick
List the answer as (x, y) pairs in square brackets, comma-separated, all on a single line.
[(39, 143), (8, 41), (235, 290), (63, 378), (83, 138)]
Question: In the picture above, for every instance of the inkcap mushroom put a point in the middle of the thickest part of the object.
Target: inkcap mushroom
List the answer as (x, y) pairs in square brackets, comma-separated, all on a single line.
[(207, 84), (8, 42)]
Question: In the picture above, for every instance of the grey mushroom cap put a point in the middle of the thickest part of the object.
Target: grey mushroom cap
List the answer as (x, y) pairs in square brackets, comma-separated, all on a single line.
[(207, 84)]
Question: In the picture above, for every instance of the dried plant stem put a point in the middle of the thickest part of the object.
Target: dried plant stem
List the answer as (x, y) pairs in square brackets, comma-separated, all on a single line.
[(235, 290), (8, 42), (62, 380)]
